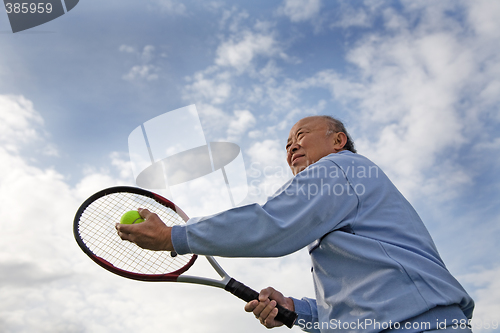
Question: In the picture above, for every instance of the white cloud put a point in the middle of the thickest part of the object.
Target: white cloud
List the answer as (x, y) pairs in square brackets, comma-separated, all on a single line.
[(268, 152), (213, 119), (268, 169), (147, 72), (394, 21), (409, 87), (248, 51), (241, 122), (121, 162), (221, 126), (271, 70), (148, 53), (300, 10), (214, 90), (239, 51), (232, 19), (483, 15), (126, 49), (350, 16), (486, 294), (19, 122), (144, 71)]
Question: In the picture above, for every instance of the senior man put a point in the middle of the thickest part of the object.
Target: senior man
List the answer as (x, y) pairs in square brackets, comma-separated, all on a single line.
[(374, 265)]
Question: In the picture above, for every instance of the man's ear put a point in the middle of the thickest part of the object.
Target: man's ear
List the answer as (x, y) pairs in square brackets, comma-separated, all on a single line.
[(339, 140)]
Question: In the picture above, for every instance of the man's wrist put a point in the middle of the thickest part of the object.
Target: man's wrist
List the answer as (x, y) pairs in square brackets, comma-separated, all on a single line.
[(168, 246), (289, 304)]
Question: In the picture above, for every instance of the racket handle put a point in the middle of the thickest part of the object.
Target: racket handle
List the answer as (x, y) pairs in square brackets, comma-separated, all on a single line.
[(247, 294)]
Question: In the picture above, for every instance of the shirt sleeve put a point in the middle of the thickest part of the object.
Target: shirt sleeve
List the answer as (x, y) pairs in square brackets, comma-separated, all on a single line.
[(303, 210), (307, 312)]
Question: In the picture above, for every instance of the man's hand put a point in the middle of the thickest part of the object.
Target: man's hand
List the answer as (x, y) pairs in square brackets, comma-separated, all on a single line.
[(152, 234), (265, 309)]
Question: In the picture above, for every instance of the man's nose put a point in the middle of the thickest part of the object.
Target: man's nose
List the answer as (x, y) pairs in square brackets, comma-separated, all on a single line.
[(294, 147)]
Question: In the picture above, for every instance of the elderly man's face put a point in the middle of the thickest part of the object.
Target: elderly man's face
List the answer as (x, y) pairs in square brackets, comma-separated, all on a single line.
[(308, 142)]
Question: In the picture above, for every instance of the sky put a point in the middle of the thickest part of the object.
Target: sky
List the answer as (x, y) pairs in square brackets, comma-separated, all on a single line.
[(417, 84)]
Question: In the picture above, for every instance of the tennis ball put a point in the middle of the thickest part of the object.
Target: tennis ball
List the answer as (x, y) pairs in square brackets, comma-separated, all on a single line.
[(131, 217)]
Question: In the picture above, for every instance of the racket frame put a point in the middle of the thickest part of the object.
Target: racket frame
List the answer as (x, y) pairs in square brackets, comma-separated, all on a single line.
[(169, 277)]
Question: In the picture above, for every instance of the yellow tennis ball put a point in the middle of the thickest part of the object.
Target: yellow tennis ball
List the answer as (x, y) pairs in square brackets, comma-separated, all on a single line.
[(131, 217)]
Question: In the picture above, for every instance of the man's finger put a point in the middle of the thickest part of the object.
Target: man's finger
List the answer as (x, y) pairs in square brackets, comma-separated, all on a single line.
[(124, 232), (124, 228), (264, 314), (265, 293), (125, 236), (145, 213), (250, 306), (270, 322), (260, 307)]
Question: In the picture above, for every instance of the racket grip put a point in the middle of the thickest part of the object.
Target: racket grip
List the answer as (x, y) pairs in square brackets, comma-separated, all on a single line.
[(247, 294)]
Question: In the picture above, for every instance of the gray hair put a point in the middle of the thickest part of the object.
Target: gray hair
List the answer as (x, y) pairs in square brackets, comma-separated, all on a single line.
[(335, 126)]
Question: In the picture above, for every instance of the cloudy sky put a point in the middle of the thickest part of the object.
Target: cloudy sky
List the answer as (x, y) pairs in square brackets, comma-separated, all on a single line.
[(416, 82)]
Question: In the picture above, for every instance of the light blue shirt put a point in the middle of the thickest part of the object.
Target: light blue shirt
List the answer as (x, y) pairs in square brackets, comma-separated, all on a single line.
[(373, 260)]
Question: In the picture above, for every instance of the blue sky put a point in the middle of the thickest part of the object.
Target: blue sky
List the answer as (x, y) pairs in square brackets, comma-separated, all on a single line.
[(416, 82)]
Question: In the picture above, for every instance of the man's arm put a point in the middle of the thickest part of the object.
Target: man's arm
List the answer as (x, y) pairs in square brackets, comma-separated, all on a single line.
[(303, 210)]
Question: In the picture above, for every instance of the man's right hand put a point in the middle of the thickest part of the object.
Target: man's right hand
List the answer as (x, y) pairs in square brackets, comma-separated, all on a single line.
[(265, 309), (152, 234)]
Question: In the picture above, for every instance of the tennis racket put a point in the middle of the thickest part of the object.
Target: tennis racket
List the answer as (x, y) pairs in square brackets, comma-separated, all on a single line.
[(95, 233)]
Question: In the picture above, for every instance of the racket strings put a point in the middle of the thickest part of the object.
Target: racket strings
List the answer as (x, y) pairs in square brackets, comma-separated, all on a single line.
[(97, 230)]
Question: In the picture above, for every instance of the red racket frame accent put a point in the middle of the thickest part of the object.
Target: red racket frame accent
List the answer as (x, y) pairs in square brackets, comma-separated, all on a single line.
[(172, 277)]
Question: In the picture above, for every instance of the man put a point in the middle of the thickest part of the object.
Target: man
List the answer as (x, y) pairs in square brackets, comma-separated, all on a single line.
[(374, 265)]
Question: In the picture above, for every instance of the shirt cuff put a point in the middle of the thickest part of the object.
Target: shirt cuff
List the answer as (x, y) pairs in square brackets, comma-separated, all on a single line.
[(179, 239), (306, 314)]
